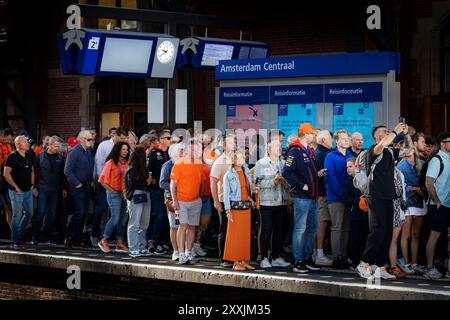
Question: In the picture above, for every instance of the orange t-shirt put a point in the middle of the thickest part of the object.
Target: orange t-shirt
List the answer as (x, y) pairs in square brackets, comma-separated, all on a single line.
[(112, 175), (189, 177), (38, 150), (5, 150)]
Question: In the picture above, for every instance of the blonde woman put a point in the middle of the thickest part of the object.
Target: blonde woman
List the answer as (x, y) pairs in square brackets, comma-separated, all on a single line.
[(238, 203)]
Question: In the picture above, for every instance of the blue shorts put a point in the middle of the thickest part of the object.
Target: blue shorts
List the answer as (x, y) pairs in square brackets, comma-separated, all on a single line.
[(206, 207)]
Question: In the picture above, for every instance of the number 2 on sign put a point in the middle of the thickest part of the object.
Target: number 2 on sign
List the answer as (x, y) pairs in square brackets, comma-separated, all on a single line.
[(93, 43)]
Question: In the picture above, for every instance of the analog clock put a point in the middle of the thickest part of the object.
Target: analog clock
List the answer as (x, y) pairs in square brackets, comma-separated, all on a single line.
[(165, 52)]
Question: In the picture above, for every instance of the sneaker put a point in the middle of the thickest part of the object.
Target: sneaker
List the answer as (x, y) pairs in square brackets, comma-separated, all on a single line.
[(145, 253), (191, 258), (324, 261), (226, 264), (447, 275), (397, 272), (121, 248), (280, 262), (16, 246), (159, 250), (198, 250), (34, 242), (432, 273), (300, 267), (406, 268), (265, 264), (104, 246), (94, 241), (401, 263), (311, 265), (384, 274), (134, 254), (418, 269), (364, 270), (175, 256), (80, 246), (183, 259)]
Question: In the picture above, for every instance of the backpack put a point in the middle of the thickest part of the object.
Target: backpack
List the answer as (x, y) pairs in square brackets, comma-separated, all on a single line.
[(364, 172), (423, 174)]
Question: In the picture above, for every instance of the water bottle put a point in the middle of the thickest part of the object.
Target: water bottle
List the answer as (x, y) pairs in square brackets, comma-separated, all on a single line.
[(177, 218)]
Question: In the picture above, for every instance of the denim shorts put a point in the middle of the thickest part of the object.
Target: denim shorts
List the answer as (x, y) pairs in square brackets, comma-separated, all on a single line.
[(206, 207)]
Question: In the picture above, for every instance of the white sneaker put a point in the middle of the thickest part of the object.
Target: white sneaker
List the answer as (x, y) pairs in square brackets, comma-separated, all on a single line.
[(183, 259), (197, 249), (280, 262), (432, 273), (265, 264), (175, 256), (324, 261), (134, 254), (191, 258), (406, 268), (364, 270), (384, 274)]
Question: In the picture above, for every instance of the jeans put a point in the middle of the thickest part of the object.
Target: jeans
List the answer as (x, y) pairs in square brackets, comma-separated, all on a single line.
[(47, 202), (22, 207), (81, 197), (381, 222), (306, 223), (138, 222), (159, 220), (102, 205), (272, 224), (118, 218)]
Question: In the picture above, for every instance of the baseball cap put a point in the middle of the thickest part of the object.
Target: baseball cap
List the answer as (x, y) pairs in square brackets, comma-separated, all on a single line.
[(72, 141), (307, 128)]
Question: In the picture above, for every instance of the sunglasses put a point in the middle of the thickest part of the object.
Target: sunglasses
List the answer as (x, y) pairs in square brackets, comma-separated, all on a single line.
[(168, 138), (88, 140)]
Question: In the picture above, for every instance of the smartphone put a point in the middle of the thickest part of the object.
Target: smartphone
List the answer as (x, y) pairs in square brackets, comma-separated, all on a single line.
[(401, 119)]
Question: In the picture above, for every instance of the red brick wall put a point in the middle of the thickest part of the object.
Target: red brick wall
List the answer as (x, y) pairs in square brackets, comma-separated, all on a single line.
[(64, 98)]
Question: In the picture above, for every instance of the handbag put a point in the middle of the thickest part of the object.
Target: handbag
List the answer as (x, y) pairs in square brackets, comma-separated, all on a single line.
[(140, 198), (241, 205)]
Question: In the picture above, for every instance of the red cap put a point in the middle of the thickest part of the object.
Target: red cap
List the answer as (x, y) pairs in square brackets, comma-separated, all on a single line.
[(72, 141)]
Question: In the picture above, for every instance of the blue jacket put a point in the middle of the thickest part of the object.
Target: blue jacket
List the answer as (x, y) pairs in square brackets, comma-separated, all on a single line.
[(335, 163), (79, 166), (300, 170), (49, 171), (164, 179), (232, 186), (319, 160)]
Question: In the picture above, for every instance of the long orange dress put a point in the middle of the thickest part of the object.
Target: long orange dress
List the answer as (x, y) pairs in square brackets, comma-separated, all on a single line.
[(237, 242)]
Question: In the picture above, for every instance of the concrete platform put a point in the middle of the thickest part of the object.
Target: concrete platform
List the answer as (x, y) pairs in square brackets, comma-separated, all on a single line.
[(326, 283)]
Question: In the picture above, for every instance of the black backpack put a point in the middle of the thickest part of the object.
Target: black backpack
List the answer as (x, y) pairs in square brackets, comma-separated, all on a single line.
[(423, 174)]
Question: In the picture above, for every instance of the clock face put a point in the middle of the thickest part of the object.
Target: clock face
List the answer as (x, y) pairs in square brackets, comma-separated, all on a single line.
[(165, 52)]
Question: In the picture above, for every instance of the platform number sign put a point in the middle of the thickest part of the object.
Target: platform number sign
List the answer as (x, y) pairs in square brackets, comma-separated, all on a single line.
[(93, 43)]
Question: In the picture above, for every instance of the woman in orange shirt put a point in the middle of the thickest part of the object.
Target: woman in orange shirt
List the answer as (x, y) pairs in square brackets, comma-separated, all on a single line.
[(111, 179)]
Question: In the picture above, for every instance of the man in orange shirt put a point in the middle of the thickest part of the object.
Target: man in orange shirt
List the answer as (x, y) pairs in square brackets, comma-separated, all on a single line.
[(186, 187)]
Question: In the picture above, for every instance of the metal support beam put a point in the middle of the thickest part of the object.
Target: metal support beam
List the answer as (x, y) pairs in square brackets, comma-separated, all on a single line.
[(93, 11)]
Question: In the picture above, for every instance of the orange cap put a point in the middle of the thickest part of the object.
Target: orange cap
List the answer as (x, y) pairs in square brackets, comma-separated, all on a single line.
[(307, 128)]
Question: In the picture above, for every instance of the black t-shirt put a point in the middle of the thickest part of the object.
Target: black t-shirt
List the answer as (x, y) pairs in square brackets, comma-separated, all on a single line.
[(21, 169), (382, 186)]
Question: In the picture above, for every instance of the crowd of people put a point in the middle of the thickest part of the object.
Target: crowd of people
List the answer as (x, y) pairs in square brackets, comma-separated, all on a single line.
[(318, 199)]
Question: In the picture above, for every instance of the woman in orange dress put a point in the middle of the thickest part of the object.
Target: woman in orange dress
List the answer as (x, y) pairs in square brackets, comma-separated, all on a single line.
[(237, 194)]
